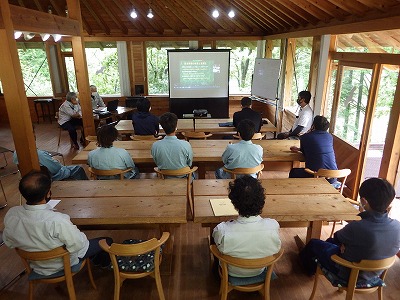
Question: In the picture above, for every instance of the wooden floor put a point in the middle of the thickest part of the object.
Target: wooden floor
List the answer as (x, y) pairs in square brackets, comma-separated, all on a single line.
[(191, 277)]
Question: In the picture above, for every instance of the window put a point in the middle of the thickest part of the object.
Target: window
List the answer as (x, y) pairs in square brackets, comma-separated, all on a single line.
[(157, 65), (102, 63), (302, 61), (243, 55), (276, 49), (35, 69)]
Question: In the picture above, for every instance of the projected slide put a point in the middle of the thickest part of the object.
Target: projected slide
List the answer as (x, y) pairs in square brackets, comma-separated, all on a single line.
[(198, 74)]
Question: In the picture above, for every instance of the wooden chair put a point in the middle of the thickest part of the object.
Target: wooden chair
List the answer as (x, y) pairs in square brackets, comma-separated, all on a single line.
[(255, 263), (65, 275), (339, 174), (113, 172), (256, 136), (181, 172), (80, 128), (245, 171), (200, 135), (134, 250), (145, 137), (364, 265), (91, 138)]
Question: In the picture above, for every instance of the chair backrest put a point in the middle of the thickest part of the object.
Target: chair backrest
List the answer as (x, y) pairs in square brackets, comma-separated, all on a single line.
[(181, 172), (195, 135), (363, 265), (256, 136), (245, 171), (254, 263), (339, 174), (113, 172), (145, 137)]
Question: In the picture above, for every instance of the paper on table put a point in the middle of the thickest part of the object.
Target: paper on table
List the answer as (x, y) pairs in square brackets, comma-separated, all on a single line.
[(53, 203), (223, 207)]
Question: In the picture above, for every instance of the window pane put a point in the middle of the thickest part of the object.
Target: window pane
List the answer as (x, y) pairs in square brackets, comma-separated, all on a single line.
[(35, 71), (157, 65), (69, 65), (103, 70), (329, 95), (352, 104), (387, 88), (302, 61), (276, 49), (243, 55)]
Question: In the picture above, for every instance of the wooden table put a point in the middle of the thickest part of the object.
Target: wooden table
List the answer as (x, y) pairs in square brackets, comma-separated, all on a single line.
[(293, 202), (206, 153), (206, 125)]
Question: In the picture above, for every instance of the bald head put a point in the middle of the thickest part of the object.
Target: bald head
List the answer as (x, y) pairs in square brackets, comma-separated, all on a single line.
[(35, 186)]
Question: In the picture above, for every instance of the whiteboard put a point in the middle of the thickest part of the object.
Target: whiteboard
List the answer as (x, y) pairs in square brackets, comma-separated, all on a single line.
[(266, 77)]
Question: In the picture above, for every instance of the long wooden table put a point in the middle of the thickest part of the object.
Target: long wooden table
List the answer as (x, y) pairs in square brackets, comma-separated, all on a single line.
[(289, 201), (206, 153), (206, 125)]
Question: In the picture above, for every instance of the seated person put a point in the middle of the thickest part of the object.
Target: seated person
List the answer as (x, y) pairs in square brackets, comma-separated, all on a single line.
[(144, 123), (35, 226), (250, 235), (375, 236), (70, 116), (170, 153), (317, 148), (247, 113), (57, 170), (108, 157), (303, 120), (97, 101), (243, 154)]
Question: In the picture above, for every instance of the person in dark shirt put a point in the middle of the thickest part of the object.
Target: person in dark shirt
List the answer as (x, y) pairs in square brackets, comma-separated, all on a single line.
[(375, 236), (317, 147), (247, 113), (144, 123)]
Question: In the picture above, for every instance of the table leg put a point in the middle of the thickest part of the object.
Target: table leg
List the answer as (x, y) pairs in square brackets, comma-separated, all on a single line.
[(37, 115), (201, 170), (314, 230)]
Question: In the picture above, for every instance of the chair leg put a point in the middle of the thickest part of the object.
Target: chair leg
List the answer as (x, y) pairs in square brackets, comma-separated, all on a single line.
[(380, 293), (159, 285), (30, 290), (117, 286), (89, 268), (317, 273), (70, 287), (333, 229)]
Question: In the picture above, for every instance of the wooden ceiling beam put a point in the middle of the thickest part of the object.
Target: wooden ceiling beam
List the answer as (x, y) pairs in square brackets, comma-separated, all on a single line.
[(254, 17), (142, 17), (99, 21), (127, 12), (242, 24), (111, 14), (170, 12), (351, 7), (332, 10), (288, 13), (281, 16), (257, 8), (56, 5), (300, 12), (38, 5), (314, 10), (29, 20), (380, 5)]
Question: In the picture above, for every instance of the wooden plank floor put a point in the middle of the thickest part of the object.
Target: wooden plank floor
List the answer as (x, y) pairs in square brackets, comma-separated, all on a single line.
[(191, 277)]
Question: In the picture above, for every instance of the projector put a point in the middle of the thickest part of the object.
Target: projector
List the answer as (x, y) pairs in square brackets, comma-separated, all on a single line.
[(200, 112)]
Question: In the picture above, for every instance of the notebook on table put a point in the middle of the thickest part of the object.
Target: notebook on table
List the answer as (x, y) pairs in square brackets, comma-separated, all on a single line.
[(223, 207)]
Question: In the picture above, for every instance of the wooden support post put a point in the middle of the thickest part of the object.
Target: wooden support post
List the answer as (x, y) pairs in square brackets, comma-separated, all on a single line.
[(14, 95)]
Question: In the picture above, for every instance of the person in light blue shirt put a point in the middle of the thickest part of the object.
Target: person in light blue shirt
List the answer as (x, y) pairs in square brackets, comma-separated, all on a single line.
[(244, 154), (57, 170), (108, 157), (170, 153)]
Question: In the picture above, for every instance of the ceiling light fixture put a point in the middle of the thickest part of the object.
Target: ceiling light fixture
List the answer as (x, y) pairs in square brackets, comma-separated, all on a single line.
[(28, 36), (45, 36), (133, 14), (231, 13), (215, 13), (56, 37), (150, 14), (17, 35)]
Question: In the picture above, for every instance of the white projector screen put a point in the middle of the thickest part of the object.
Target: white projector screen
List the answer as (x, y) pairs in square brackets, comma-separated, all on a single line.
[(198, 73)]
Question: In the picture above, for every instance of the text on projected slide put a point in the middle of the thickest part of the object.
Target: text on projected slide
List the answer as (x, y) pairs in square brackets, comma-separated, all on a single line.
[(198, 74)]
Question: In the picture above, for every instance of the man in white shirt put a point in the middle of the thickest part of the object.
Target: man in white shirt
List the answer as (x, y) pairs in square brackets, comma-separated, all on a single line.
[(35, 226), (97, 101), (303, 120), (250, 235)]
